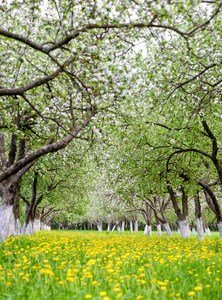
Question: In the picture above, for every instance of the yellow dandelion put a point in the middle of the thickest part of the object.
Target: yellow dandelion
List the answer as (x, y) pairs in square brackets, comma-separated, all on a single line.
[(198, 288), (191, 293)]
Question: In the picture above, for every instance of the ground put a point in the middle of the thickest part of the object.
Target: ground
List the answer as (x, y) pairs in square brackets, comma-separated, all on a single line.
[(102, 266)]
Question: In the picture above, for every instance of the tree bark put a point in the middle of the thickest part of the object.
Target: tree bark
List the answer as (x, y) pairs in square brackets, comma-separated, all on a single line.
[(33, 224), (149, 230), (159, 231), (200, 230), (123, 226), (131, 225), (220, 228), (9, 210), (113, 227), (167, 229), (99, 227), (207, 229), (108, 227), (193, 230), (136, 223), (182, 216), (199, 221), (145, 229), (184, 228)]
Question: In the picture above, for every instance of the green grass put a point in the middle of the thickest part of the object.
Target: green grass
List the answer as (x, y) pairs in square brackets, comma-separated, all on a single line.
[(93, 265)]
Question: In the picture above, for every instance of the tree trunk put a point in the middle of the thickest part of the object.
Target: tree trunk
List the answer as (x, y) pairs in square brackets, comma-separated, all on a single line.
[(113, 227), (9, 210), (131, 225), (99, 226), (199, 221), (207, 230), (145, 229), (200, 230), (32, 226), (149, 230), (206, 227), (220, 228), (45, 226), (32, 220), (193, 230), (167, 229), (184, 228), (123, 226), (217, 209), (136, 226), (118, 228), (159, 231), (108, 227)]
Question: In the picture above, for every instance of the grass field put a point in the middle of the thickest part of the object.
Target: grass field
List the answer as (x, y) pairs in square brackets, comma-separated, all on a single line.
[(103, 266)]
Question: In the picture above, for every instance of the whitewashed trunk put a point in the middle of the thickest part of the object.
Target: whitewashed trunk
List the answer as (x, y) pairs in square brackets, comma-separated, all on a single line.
[(45, 227), (42, 226), (108, 228), (207, 230), (145, 229), (136, 226), (220, 228), (159, 231), (189, 229), (9, 225), (131, 226), (36, 225), (31, 227), (167, 229), (118, 228), (193, 231), (113, 227), (99, 227), (184, 228), (178, 231), (149, 230), (200, 229), (123, 226)]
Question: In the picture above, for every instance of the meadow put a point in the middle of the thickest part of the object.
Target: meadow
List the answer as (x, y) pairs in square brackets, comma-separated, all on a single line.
[(106, 266)]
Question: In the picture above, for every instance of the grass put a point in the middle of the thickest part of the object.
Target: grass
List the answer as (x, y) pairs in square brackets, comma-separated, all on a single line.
[(101, 266)]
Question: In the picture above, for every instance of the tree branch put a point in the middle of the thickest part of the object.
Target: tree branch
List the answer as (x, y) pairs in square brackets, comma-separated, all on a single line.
[(25, 200), (18, 166), (12, 152), (186, 150), (36, 83), (213, 138), (2, 151)]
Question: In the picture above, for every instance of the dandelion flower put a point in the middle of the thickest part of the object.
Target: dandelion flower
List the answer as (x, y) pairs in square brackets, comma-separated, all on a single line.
[(191, 293)]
